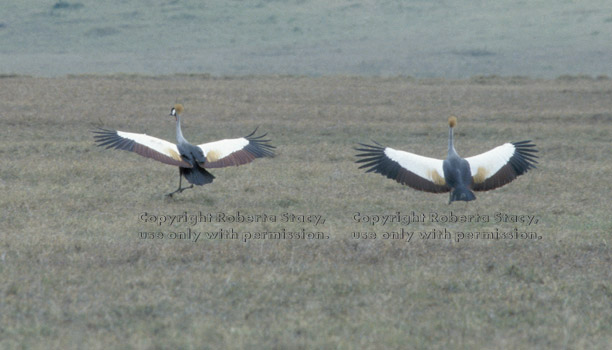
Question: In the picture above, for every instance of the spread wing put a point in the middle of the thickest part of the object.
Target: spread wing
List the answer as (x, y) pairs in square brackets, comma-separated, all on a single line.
[(145, 145), (236, 152), (502, 164), (418, 172)]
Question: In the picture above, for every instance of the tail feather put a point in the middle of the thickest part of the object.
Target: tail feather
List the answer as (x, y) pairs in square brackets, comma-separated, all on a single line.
[(462, 194), (197, 175)]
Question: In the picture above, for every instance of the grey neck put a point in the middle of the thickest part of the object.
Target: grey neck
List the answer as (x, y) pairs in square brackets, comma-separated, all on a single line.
[(451, 146), (179, 134)]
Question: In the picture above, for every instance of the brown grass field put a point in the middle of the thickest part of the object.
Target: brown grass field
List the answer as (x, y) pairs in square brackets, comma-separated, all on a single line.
[(76, 273)]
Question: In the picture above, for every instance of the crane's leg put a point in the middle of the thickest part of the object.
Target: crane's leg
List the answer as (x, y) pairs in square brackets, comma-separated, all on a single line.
[(179, 190)]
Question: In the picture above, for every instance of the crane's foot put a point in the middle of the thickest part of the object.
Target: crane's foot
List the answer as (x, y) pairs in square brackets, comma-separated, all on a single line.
[(178, 191)]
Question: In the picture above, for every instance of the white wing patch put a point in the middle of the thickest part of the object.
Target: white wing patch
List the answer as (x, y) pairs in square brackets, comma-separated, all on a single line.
[(425, 167), (488, 164), (158, 145), (213, 151)]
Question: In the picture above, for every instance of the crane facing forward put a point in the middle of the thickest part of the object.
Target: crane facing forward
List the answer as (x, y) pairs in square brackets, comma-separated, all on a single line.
[(192, 160), (460, 176)]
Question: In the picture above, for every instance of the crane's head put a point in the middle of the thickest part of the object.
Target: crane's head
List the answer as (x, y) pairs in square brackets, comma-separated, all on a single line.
[(452, 121), (176, 110)]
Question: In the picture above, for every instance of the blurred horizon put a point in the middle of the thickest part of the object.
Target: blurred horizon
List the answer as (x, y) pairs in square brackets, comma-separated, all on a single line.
[(422, 39)]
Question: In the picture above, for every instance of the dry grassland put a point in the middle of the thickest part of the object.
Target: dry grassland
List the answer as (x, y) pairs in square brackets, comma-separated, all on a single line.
[(76, 272)]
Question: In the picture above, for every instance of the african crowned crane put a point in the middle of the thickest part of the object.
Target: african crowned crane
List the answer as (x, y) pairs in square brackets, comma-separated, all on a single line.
[(483, 172), (192, 160)]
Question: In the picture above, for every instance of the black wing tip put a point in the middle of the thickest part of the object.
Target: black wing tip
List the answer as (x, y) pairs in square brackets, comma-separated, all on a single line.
[(524, 157), (110, 139), (265, 149), (250, 136), (102, 131), (260, 149), (373, 155), (526, 145), (253, 133), (375, 146), (526, 150), (372, 158), (104, 134), (258, 141)]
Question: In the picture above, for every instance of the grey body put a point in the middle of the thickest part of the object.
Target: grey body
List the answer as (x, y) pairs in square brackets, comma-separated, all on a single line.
[(190, 153), (196, 175), (457, 174)]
